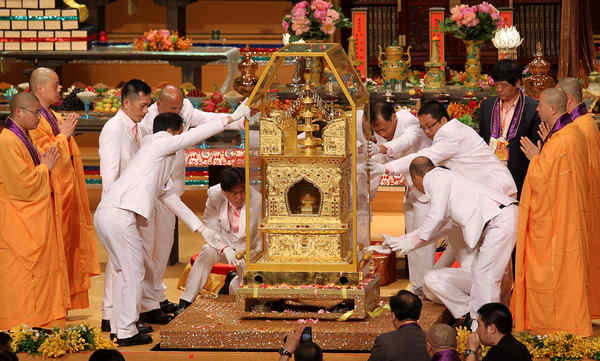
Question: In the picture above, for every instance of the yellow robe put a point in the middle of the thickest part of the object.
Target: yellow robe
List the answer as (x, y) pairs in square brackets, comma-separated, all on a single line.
[(33, 280), (71, 199), (588, 127), (551, 282)]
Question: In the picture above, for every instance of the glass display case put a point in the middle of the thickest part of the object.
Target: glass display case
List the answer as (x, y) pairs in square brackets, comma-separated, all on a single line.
[(306, 152)]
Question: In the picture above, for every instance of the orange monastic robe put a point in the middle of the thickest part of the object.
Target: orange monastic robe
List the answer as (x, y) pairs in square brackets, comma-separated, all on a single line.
[(588, 127), (71, 199), (551, 282), (33, 280)]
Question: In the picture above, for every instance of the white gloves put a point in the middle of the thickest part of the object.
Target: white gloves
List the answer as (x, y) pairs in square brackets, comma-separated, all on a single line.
[(242, 111), (375, 167), (402, 244), (211, 237), (379, 249), (230, 256), (373, 149)]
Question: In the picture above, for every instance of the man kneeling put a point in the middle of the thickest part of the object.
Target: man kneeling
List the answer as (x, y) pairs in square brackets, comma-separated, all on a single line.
[(225, 217), (488, 221)]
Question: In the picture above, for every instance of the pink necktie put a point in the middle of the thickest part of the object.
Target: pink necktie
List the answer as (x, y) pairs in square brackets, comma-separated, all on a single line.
[(235, 221), (135, 133)]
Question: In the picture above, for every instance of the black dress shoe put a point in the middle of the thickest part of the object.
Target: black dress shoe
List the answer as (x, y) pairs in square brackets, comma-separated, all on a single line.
[(183, 304), (168, 306), (105, 326), (156, 316), (139, 339), (113, 336), (143, 328)]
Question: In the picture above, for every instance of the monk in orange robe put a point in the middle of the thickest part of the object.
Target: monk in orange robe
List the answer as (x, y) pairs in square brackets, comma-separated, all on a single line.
[(33, 280), (551, 290), (70, 191), (589, 128)]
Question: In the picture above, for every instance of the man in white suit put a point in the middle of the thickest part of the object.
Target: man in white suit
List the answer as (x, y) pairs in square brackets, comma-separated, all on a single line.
[(171, 100), (399, 134), (225, 216), (488, 222), (129, 203), (119, 140)]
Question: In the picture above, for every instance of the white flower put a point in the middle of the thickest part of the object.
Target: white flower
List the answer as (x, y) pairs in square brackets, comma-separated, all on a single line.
[(507, 37), (286, 38)]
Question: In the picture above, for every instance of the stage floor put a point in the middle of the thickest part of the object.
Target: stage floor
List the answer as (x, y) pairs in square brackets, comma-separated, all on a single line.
[(215, 324)]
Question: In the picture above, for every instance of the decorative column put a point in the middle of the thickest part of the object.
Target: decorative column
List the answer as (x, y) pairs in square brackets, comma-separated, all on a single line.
[(359, 33), (436, 17)]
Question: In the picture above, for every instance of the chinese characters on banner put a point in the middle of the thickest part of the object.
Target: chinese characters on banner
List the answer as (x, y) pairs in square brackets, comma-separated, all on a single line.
[(359, 32), (436, 16), (507, 16)]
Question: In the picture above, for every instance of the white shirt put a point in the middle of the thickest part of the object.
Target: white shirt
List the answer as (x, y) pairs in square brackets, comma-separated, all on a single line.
[(148, 175), (117, 146), (456, 198), (458, 147), (408, 136)]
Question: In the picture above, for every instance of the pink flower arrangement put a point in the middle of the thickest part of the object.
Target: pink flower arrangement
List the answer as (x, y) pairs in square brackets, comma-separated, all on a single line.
[(477, 22), (317, 20)]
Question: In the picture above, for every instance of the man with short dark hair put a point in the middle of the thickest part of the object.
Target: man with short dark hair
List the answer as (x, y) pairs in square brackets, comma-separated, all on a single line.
[(225, 237), (129, 203), (408, 341), (506, 118), (494, 329)]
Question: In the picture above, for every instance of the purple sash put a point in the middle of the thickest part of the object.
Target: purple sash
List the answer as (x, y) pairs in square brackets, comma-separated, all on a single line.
[(561, 123), (514, 123), (51, 118), (578, 111), (446, 355), (10, 125)]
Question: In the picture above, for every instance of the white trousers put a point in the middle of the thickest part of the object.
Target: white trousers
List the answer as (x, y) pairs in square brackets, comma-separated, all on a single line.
[(420, 260), (163, 236), (488, 279), (118, 231), (201, 269)]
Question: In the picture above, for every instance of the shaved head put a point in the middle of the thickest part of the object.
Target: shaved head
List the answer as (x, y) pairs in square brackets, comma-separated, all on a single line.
[(170, 99), (420, 166), (572, 87), (556, 98), (23, 100), (41, 76), (441, 336)]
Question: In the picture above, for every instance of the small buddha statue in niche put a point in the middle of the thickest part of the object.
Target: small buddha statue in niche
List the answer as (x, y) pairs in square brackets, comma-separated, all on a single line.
[(308, 203)]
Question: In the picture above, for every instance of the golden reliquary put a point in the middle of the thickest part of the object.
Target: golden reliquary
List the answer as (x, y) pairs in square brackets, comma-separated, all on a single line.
[(306, 156)]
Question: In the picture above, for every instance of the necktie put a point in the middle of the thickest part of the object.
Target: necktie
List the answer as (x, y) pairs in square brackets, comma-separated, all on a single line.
[(135, 134)]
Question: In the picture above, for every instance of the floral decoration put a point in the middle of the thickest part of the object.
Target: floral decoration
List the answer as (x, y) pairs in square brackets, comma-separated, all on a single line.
[(315, 20), (477, 22), (58, 342), (463, 112), (162, 40), (215, 104)]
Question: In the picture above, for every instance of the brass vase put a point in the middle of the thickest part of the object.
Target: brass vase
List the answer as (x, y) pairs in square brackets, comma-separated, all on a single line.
[(473, 64)]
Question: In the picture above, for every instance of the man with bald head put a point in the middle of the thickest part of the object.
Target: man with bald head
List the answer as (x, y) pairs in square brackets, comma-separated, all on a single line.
[(68, 183), (586, 123), (171, 100), (551, 284), (441, 343), (34, 280), (487, 219)]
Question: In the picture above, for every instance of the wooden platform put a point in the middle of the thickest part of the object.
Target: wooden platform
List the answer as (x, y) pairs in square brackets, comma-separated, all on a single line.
[(215, 324)]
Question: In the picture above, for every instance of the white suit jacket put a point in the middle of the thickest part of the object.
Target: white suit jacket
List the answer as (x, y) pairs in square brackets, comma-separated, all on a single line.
[(148, 175), (117, 146), (191, 118), (458, 147), (216, 218), (408, 136), (456, 198)]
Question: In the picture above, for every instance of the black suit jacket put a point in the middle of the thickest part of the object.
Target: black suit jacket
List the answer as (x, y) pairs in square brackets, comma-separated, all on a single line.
[(530, 120), (404, 344)]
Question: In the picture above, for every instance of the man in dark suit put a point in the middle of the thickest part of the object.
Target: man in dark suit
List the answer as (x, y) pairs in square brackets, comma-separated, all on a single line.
[(506, 118), (408, 341)]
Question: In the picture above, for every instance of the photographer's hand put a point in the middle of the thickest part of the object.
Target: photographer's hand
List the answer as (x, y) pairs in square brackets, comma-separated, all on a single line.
[(292, 341)]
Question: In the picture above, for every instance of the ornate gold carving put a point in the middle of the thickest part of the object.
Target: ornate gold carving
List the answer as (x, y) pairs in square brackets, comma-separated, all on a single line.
[(305, 248), (334, 138), (270, 138)]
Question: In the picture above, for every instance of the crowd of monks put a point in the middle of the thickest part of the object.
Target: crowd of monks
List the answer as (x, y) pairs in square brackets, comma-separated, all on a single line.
[(535, 163)]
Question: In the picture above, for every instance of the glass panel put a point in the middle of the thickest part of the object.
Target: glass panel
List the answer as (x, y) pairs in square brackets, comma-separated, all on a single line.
[(254, 185), (308, 47), (364, 191)]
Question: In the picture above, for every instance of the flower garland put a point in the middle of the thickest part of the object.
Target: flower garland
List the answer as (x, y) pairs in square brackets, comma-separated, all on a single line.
[(58, 342), (558, 346), (162, 40), (315, 20)]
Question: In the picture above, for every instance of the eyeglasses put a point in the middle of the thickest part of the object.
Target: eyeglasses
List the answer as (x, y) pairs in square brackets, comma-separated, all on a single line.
[(430, 126), (36, 114)]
